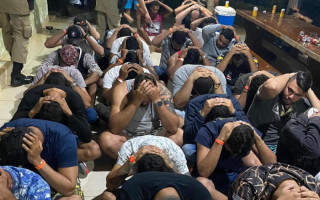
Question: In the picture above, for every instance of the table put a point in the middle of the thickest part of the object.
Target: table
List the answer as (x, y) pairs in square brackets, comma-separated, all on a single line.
[(277, 41)]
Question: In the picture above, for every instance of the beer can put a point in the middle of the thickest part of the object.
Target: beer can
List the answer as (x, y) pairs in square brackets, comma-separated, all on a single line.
[(274, 8), (255, 12), (282, 12)]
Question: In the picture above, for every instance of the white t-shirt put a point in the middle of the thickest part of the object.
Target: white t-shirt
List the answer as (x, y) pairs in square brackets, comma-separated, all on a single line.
[(111, 76), (173, 151), (198, 34), (115, 49)]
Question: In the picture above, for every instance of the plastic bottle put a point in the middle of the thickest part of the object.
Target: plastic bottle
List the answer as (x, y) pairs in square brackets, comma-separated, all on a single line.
[(282, 12), (255, 11), (227, 4), (274, 8)]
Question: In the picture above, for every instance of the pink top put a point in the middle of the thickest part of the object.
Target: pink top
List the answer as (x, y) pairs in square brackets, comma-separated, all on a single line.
[(156, 27)]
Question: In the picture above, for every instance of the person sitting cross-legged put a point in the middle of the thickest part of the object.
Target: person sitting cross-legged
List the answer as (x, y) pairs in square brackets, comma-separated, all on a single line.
[(140, 107)]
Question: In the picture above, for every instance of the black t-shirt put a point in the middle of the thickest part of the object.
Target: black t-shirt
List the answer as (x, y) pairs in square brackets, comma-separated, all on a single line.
[(146, 185), (76, 122), (233, 72)]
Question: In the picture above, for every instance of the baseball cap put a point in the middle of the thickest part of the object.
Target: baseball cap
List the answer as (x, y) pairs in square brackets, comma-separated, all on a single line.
[(74, 32)]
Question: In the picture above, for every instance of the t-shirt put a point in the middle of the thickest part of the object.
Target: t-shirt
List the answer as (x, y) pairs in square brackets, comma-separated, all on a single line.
[(115, 49), (299, 143), (167, 50), (27, 184), (183, 73), (147, 184), (269, 117), (154, 28), (72, 71), (260, 182), (59, 145), (111, 76), (172, 150), (210, 36), (194, 120), (77, 121), (243, 80), (198, 34), (232, 73)]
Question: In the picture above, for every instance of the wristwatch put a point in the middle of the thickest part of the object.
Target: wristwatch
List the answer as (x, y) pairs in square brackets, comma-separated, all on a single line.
[(73, 84), (158, 103)]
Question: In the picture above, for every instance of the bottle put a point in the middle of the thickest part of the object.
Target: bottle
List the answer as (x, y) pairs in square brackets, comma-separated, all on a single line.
[(282, 12), (274, 8), (255, 12), (256, 61), (220, 58), (227, 4), (301, 35)]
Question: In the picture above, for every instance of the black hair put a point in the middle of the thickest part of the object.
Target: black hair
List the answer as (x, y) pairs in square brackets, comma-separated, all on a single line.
[(179, 37), (50, 111), (124, 32), (132, 43), (11, 150), (143, 76), (192, 57), (79, 18), (241, 140), (210, 20), (304, 80), (219, 111), (56, 78), (241, 56), (154, 3), (256, 82), (169, 198), (132, 57), (203, 85), (152, 162), (227, 33)]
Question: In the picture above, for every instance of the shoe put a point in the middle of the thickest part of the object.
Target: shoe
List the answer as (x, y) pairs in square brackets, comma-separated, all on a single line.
[(83, 168), (21, 80)]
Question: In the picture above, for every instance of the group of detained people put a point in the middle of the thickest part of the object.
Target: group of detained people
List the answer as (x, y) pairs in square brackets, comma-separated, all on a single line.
[(205, 123)]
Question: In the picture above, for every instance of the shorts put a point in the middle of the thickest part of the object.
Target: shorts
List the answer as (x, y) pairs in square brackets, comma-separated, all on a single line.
[(129, 4), (156, 132)]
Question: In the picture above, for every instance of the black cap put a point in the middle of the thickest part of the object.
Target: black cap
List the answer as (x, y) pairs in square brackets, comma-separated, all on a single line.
[(74, 32)]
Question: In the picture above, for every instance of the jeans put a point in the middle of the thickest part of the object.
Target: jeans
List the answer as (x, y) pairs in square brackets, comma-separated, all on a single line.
[(190, 151), (162, 73)]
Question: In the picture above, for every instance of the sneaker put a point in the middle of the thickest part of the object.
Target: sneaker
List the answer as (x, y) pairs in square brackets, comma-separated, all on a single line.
[(83, 168)]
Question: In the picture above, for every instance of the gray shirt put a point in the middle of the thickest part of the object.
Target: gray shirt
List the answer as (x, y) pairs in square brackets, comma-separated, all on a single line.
[(210, 48), (183, 73), (167, 50)]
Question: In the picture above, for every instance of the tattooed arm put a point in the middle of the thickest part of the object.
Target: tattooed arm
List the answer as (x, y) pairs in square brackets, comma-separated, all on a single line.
[(165, 111)]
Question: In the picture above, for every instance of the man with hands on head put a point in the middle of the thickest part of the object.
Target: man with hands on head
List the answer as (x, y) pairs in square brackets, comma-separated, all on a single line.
[(238, 61), (45, 146), (134, 149), (188, 76), (140, 107), (225, 147)]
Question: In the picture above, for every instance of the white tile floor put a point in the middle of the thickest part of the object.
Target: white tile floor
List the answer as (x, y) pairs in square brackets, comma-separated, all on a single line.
[(95, 182)]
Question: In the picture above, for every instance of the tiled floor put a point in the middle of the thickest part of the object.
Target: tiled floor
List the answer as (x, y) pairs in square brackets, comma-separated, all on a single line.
[(10, 97)]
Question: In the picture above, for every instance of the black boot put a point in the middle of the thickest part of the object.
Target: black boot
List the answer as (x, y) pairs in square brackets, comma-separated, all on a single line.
[(18, 79)]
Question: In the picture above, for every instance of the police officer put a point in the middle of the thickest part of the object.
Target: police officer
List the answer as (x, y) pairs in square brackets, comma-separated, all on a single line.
[(16, 31)]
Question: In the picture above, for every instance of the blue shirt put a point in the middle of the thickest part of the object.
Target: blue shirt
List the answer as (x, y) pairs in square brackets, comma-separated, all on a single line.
[(193, 119), (206, 136), (27, 184), (59, 145)]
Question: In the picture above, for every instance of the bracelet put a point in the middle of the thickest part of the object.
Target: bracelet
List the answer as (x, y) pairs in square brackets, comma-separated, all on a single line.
[(219, 141), (135, 34), (65, 31), (120, 80), (85, 36), (42, 163), (120, 60), (181, 59), (204, 56), (74, 84), (246, 87), (132, 159), (170, 30), (237, 37)]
